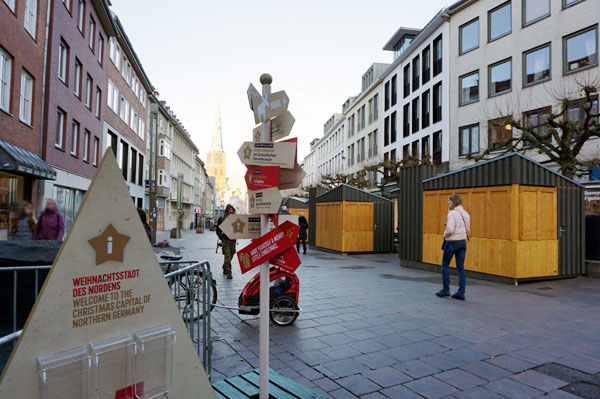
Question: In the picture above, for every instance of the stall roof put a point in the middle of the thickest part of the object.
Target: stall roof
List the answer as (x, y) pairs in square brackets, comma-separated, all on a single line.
[(345, 192), (16, 160), (511, 168), (295, 202)]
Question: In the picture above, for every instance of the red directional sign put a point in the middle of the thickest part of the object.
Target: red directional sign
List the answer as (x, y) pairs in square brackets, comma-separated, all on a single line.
[(261, 177), (268, 246), (288, 261)]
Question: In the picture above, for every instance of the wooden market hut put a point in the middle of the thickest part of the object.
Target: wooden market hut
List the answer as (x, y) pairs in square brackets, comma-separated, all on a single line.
[(527, 220), (352, 220)]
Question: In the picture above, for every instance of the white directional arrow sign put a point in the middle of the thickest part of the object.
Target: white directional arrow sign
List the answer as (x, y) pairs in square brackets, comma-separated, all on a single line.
[(291, 178), (265, 201), (281, 126), (269, 106), (238, 227), (268, 154), (252, 93)]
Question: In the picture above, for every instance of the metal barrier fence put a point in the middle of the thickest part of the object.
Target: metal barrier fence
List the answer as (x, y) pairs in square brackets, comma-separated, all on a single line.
[(191, 284)]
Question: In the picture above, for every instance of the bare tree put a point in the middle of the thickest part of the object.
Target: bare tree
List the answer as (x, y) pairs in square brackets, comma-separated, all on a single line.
[(358, 180), (391, 169), (558, 133)]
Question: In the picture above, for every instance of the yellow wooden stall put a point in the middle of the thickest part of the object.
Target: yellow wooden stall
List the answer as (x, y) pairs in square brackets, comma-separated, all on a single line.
[(345, 226), (513, 229)]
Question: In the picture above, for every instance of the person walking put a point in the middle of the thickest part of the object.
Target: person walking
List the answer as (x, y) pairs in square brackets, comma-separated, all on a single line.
[(51, 224), (458, 226), (284, 211), (228, 246), (23, 225), (303, 223)]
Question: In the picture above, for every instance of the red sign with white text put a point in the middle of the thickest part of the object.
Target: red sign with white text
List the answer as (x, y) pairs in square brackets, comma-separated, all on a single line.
[(278, 240), (261, 177), (288, 261)]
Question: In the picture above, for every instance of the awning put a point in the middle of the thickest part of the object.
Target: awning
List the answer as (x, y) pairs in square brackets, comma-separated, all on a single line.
[(16, 160)]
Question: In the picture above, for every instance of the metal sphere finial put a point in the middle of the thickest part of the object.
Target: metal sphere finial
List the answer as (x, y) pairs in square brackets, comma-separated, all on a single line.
[(266, 79)]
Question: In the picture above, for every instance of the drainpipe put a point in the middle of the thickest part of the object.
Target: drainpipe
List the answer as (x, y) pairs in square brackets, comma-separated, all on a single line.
[(40, 193)]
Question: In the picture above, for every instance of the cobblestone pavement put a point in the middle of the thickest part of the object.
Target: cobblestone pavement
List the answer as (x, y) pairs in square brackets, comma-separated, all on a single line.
[(372, 329)]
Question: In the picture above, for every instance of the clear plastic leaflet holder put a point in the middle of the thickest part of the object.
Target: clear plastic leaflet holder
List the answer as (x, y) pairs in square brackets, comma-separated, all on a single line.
[(154, 360), (113, 360), (65, 374)]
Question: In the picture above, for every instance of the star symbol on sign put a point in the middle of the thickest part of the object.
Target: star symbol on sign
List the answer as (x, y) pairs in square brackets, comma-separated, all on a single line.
[(257, 135), (247, 152), (238, 226), (110, 245), (289, 233)]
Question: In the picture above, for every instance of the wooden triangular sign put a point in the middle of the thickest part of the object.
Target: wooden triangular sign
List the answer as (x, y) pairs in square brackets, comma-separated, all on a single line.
[(105, 324)]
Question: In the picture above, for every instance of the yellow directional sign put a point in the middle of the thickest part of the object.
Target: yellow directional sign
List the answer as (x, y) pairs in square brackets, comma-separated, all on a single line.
[(281, 126), (265, 201), (238, 227), (270, 106), (291, 178), (268, 154)]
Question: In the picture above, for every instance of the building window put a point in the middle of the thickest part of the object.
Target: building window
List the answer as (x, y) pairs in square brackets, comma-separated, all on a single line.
[(536, 121), (98, 101), (416, 68), (536, 65), (115, 52), (415, 115), (92, 34), (124, 159), (67, 4), (394, 89), (100, 49), (63, 61), (569, 3), (10, 4), (88, 92), (577, 114), (499, 21), (86, 145), (30, 22), (95, 151), (386, 96), (500, 78), (405, 152), (77, 79), (406, 120), (534, 10), (425, 104), (425, 151), (414, 151), (469, 36), (133, 173), (581, 50), (468, 140), (426, 61), (393, 124), (407, 80), (140, 169), (5, 78), (437, 102), (60, 128), (499, 133), (469, 88), (437, 148), (386, 131), (81, 15), (437, 55), (75, 138), (26, 98)]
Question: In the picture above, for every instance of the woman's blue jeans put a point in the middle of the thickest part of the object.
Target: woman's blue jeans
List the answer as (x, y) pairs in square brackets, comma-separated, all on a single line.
[(458, 249)]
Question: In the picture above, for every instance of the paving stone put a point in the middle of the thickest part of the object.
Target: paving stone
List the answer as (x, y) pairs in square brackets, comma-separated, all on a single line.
[(478, 393), (340, 352), (460, 379), (326, 384), (341, 394), (450, 341), (510, 363), (346, 367), (393, 341), (336, 339), (581, 363), (426, 348), (416, 368), (310, 373), (533, 357), (513, 389), (387, 376), (539, 381), (559, 395), (314, 358), (358, 384), (431, 388), (443, 361), (373, 395), (485, 370), (367, 346), (375, 360), (400, 391)]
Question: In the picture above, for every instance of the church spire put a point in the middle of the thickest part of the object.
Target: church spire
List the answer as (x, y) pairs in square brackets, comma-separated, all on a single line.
[(217, 136)]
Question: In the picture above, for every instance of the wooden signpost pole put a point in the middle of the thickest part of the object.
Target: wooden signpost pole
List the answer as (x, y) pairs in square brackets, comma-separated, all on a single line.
[(265, 80)]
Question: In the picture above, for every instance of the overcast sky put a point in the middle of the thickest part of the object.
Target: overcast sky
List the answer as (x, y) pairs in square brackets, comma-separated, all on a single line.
[(316, 50)]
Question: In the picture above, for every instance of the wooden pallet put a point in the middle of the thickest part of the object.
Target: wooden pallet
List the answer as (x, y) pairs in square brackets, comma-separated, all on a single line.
[(245, 386)]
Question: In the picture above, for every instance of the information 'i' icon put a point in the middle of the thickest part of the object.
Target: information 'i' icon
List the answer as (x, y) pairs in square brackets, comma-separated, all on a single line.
[(109, 245)]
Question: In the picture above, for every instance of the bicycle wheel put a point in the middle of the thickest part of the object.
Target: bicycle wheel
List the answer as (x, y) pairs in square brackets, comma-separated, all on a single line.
[(187, 292), (283, 318)]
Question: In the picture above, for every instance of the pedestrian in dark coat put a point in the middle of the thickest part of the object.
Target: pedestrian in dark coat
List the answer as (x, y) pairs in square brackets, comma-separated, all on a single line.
[(302, 235), (228, 245), (51, 224), (23, 226)]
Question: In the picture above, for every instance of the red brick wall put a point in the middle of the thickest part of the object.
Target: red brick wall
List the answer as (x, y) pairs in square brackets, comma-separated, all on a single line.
[(28, 54)]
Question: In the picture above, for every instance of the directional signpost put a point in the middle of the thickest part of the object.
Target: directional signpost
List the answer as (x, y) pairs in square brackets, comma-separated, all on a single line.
[(271, 167)]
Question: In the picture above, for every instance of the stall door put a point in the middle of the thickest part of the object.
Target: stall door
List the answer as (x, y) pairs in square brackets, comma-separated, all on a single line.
[(383, 220), (571, 232)]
